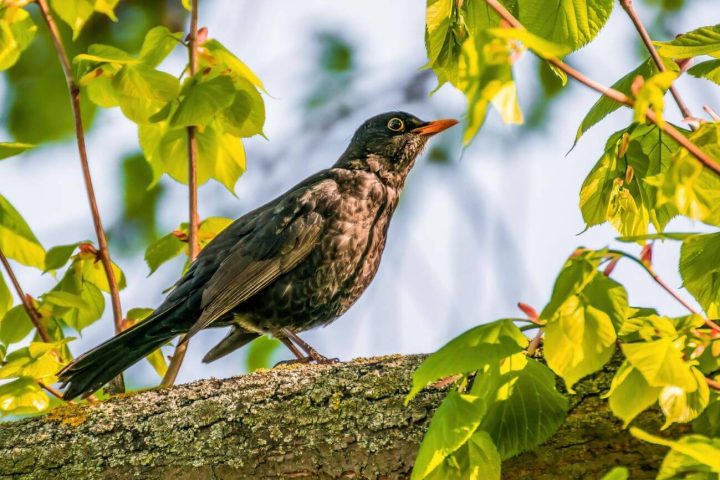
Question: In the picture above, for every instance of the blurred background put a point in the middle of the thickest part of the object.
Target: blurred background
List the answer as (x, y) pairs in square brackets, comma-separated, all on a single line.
[(478, 229)]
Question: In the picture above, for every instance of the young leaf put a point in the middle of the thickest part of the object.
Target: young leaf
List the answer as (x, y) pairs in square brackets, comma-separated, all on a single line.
[(699, 449), (572, 23), (452, 425), (10, 149), (17, 241), (617, 473), (15, 325), (700, 270), (539, 45), (477, 459), (709, 70), (473, 350), (686, 185), (581, 317), (21, 397), (630, 393), (6, 299), (661, 363), (163, 249), (77, 12), (93, 272), (99, 53), (65, 299), (708, 423), (524, 407), (17, 31), (684, 405), (651, 96), (37, 361), (58, 256), (202, 100), (215, 54), (245, 117), (142, 91), (158, 44), (701, 41)]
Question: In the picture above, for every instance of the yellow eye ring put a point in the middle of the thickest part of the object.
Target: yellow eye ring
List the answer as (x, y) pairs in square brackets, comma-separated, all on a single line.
[(395, 124)]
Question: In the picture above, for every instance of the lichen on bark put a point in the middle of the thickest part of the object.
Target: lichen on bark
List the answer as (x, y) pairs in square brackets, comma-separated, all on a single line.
[(344, 420)]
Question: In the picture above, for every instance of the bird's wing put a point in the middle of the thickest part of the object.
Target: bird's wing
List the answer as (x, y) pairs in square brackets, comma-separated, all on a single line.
[(281, 238)]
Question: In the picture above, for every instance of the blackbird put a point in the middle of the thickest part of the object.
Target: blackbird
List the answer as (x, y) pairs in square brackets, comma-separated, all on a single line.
[(297, 262)]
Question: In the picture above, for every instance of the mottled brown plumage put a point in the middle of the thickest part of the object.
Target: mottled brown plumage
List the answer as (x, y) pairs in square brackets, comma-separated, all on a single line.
[(295, 263)]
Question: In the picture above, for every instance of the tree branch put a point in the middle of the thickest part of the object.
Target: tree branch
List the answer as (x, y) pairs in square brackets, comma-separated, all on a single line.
[(193, 242), (615, 95), (32, 312), (627, 5), (345, 420), (664, 286), (74, 90)]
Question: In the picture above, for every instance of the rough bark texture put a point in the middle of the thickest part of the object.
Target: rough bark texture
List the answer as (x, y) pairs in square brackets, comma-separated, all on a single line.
[(313, 421)]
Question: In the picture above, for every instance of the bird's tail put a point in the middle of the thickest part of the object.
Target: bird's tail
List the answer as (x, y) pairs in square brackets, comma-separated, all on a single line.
[(95, 368)]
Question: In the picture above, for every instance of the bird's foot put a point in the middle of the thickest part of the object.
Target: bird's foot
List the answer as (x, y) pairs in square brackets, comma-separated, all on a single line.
[(320, 359), (314, 357)]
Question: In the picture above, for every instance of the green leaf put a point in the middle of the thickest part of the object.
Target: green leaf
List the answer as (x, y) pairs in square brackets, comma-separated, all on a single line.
[(17, 31), (572, 23), (143, 91), (6, 299), (137, 314), (93, 272), (661, 363), (708, 423), (524, 407), (581, 317), (700, 449), (164, 249), (709, 70), (630, 393), (158, 44), (99, 53), (473, 350), (210, 228), (10, 149), (657, 236), (454, 422), (58, 256), (684, 405), (228, 63), (202, 100), (37, 361), (17, 241), (260, 353), (77, 12), (65, 299), (617, 473), (477, 459), (701, 41), (700, 270), (80, 317), (650, 96), (539, 45), (22, 396), (15, 325), (606, 194), (245, 117), (686, 185)]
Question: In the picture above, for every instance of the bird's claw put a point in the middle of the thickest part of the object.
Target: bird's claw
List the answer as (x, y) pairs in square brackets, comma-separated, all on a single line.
[(314, 358)]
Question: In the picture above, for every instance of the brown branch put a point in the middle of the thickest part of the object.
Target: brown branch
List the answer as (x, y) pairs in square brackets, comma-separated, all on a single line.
[(74, 90), (713, 384), (627, 5), (194, 245), (664, 285), (613, 94), (32, 312), (52, 390)]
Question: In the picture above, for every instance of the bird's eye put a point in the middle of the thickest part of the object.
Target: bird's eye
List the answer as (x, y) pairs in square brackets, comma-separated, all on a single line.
[(395, 124)]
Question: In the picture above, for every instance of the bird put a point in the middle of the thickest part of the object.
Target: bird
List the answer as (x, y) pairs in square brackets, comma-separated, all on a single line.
[(298, 262)]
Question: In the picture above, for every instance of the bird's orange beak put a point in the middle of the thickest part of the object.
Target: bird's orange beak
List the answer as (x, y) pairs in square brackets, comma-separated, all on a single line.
[(436, 126)]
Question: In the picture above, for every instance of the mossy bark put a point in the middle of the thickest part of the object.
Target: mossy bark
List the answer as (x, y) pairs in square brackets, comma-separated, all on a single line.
[(345, 420)]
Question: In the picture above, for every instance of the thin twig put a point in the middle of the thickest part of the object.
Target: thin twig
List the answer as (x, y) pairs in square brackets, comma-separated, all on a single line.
[(711, 112), (32, 312), (117, 385), (193, 243), (535, 342), (627, 5), (664, 285), (615, 95), (713, 384), (52, 390)]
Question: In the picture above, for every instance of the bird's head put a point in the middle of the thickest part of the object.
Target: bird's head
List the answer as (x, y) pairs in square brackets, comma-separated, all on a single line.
[(389, 143)]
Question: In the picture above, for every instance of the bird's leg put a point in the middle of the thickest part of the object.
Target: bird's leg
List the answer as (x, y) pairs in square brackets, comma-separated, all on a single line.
[(312, 353), (300, 358)]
